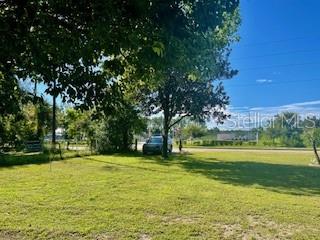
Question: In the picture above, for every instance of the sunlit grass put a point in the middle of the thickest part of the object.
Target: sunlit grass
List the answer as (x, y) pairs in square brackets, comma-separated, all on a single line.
[(212, 195)]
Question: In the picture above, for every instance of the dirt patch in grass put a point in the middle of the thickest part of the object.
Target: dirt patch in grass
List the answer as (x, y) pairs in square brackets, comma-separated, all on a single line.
[(256, 227), (33, 234), (173, 219), (11, 235), (180, 219), (145, 236), (103, 236)]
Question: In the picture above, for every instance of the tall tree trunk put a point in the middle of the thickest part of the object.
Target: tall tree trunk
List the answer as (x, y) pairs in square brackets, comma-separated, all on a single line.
[(38, 111), (165, 135), (125, 140), (314, 145), (54, 123)]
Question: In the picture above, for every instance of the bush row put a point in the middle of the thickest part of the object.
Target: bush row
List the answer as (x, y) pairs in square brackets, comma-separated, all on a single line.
[(217, 143)]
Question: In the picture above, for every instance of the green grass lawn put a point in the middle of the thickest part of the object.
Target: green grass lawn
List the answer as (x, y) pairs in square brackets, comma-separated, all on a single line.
[(217, 195)]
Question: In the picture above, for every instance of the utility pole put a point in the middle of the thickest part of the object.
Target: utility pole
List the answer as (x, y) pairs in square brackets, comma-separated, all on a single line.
[(54, 115)]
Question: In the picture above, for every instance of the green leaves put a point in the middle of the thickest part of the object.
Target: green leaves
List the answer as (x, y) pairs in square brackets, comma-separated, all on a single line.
[(158, 48), (192, 77), (192, 45), (311, 135)]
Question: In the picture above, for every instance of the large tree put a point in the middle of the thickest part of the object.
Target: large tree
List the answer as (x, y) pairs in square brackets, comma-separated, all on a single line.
[(42, 41), (63, 44), (191, 51)]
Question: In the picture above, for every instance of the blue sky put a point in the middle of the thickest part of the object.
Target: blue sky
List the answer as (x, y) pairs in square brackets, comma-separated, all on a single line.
[(277, 57)]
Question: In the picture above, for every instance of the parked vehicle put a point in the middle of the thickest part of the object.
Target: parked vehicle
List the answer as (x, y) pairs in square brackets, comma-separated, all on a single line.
[(155, 144)]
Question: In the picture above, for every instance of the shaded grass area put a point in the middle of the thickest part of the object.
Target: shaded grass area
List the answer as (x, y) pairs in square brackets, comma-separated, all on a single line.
[(21, 158), (14, 159), (253, 147), (286, 178), (220, 195)]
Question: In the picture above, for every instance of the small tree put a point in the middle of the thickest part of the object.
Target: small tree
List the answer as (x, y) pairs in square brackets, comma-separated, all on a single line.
[(194, 130), (284, 129), (182, 97), (155, 125), (312, 137), (117, 130)]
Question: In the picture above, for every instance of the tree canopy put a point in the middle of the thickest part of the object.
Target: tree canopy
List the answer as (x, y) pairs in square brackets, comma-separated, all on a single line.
[(180, 79), (68, 41), (88, 50)]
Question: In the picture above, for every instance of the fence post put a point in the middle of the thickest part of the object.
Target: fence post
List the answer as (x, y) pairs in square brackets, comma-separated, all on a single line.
[(136, 145)]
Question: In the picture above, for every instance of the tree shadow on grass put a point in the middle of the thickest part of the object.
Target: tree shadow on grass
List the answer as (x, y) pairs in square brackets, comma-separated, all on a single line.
[(290, 179), (11, 160), (18, 159), (281, 178), (151, 158), (112, 165)]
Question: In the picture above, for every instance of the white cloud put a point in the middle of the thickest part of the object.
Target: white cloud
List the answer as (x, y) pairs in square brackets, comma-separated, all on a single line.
[(310, 103), (264, 80), (260, 115), (301, 107)]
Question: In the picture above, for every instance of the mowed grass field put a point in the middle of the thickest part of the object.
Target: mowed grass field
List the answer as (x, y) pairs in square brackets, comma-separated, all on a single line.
[(204, 195)]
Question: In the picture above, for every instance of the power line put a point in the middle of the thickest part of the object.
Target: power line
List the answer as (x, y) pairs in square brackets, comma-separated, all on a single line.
[(280, 66), (277, 41), (276, 54), (276, 83), (274, 66)]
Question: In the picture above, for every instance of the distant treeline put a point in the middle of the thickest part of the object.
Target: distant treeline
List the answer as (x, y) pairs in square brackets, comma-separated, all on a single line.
[(286, 129)]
